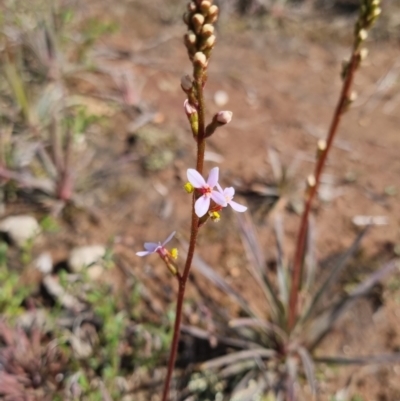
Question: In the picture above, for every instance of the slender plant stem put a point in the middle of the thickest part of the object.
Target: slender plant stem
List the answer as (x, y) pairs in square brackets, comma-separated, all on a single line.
[(182, 279), (312, 190)]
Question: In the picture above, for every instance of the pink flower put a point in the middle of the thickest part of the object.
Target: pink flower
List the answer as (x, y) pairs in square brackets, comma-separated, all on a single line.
[(156, 247), (228, 194), (206, 189)]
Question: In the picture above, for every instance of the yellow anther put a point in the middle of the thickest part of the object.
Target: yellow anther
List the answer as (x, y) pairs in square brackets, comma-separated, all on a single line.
[(215, 216), (189, 188), (174, 253)]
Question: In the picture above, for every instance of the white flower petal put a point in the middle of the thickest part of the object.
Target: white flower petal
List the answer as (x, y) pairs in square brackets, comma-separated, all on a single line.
[(143, 253), (218, 198), (202, 205), (195, 178), (213, 177), (229, 192), (151, 246), (237, 207), (220, 188), (169, 238)]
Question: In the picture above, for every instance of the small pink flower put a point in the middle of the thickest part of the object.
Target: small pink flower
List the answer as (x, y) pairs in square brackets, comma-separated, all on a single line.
[(156, 247), (206, 189), (228, 194)]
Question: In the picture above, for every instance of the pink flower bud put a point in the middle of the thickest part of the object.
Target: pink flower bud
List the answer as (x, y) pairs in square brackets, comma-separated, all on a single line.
[(224, 117), (189, 109), (187, 83), (192, 7)]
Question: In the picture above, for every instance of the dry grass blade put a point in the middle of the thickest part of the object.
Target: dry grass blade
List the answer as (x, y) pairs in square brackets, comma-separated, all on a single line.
[(238, 356), (334, 274), (276, 164), (237, 368), (252, 390), (257, 262), (309, 369), (323, 323), (361, 360)]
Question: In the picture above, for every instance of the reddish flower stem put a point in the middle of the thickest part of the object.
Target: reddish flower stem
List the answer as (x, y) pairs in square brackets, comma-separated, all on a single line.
[(182, 279), (302, 234)]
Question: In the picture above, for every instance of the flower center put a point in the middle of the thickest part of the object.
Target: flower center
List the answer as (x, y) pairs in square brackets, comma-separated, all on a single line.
[(206, 190)]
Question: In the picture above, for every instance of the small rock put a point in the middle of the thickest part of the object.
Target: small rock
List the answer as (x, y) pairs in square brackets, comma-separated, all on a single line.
[(44, 263), (20, 229), (67, 300), (221, 98), (370, 220), (84, 256), (95, 272)]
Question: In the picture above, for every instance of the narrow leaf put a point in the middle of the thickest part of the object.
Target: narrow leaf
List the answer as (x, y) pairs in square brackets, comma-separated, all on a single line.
[(205, 335), (308, 368), (334, 274), (281, 272), (238, 356), (361, 360), (266, 326), (256, 266), (323, 323), (210, 273)]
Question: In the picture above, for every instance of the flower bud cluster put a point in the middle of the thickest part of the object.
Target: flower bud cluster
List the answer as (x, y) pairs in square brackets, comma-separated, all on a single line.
[(369, 12), (200, 38)]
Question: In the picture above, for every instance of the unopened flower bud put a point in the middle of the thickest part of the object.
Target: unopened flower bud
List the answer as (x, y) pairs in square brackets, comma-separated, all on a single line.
[(212, 14), (198, 21), (186, 83), (207, 30), (362, 34), (321, 147), (200, 59), (171, 268), (209, 43), (353, 96), (205, 6), (192, 7), (311, 182), (224, 117), (190, 38), (376, 12), (185, 18), (189, 109)]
